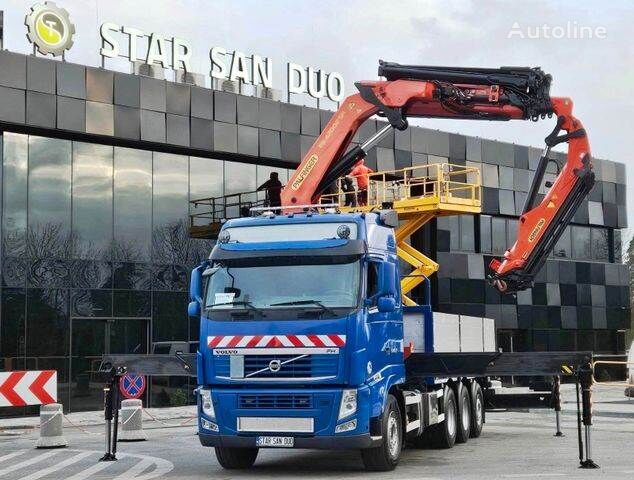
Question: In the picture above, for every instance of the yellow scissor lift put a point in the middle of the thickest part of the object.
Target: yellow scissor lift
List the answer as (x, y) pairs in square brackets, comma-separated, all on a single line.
[(417, 194)]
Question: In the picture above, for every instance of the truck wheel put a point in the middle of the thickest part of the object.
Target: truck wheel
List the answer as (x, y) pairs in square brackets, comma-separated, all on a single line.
[(236, 458), (477, 410), (386, 456), (463, 429), (444, 434)]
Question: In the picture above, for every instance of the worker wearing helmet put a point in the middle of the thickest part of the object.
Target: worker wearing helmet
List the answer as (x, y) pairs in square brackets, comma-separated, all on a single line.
[(361, 172)]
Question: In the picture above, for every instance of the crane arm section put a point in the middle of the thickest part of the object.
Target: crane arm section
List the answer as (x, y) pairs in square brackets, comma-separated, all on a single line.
[(506, 93)]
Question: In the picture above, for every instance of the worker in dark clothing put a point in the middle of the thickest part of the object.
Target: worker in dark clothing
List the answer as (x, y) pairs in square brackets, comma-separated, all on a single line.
[(273, 188), (350, 195)]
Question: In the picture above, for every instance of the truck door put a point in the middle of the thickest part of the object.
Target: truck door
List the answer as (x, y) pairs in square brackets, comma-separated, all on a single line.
[(385, 349)]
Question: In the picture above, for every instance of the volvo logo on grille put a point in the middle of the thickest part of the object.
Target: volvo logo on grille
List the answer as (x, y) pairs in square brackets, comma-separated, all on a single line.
[(275, 366)]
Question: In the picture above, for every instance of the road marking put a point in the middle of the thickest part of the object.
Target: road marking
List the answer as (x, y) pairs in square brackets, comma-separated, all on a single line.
[(90, 471), (11, 455), (532, 475), (58, 466), (135, 470), (26, 463)]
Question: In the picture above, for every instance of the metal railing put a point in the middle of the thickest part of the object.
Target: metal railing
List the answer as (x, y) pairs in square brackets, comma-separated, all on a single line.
[(444, 182), (218, 209)]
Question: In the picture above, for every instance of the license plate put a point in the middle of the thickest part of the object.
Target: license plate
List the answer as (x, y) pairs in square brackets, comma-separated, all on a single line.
[(282, 442)]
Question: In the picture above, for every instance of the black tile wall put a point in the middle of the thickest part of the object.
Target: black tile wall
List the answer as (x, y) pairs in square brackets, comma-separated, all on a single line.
[(40, 75), (41, 109), (12, 105), (152, 126), (291, 147), (127, 90), (178, 130), (310, 121), (99, 85), (202, 103), (71, 114), (291, 118), (270, 115), (248, 108), (225, 136), (247, 139), (71, 80), (177, 100), (153, 94), (127, 122), (201, 133), (270, 143), (12, 70)]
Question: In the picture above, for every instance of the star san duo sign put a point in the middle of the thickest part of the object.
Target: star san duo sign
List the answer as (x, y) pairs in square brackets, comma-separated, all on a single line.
[(174, 53)]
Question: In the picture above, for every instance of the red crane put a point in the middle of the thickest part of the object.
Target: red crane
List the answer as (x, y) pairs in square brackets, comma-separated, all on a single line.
[(507, 93)]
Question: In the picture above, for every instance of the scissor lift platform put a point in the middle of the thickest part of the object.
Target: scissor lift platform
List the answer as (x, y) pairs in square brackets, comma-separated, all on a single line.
[(417, 194)]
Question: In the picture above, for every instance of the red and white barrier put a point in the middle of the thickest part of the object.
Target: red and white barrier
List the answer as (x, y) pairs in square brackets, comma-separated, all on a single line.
[(20, 388)]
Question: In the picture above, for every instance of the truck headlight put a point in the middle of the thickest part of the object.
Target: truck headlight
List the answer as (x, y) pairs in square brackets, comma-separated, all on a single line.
[(348, 403), (206, 403)]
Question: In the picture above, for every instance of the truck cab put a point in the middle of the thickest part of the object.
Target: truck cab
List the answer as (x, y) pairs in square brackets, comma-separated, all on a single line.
[(301, 336)]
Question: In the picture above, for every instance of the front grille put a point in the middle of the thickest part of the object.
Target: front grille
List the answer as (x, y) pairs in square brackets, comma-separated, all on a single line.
[(275, 401), (306, 366)]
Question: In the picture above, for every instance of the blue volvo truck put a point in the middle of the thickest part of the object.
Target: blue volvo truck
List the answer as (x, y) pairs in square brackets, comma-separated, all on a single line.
[(302, 344)]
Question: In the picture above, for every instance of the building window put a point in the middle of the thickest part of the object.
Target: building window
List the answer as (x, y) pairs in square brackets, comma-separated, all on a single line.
[(581, 245)]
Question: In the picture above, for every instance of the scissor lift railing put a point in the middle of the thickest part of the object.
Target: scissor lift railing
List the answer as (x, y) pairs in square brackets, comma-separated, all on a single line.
[(418, 194)]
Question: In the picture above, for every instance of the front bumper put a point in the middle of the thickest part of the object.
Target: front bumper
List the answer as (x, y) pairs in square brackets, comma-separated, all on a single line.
[(321, 411), (332, 442)]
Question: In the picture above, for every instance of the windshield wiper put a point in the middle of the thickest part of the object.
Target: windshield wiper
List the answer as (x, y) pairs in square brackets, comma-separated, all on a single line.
[(249, 306), (323, 307)]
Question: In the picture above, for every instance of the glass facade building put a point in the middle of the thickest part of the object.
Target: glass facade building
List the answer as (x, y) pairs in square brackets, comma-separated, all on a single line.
[(98, 168)]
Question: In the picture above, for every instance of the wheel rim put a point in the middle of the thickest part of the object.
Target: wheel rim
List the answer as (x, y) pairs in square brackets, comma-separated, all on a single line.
[(478, 410), (450, 415), (393, 437), (466, 421)]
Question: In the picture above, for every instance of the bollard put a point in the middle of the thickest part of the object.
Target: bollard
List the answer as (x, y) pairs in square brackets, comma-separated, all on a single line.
[(131, 421), (51, 428), (557, 404)]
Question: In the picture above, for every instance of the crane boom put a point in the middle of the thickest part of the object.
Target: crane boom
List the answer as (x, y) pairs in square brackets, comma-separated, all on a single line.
[(507, 93)]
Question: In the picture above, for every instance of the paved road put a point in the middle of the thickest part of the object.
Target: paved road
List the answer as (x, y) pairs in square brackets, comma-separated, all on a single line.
[(513, 445)]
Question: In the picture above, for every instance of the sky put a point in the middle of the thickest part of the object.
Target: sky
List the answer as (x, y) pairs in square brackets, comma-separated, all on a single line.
[(350, 37)]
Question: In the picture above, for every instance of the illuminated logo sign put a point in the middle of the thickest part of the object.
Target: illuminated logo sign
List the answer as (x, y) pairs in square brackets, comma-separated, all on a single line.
[(536, 230), (310, 164), (49, 28)]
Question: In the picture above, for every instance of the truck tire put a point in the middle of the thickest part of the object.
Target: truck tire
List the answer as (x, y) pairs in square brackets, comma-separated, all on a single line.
[(463, 428), (386, 456), (443, 434), (477, 410), (236, 458)]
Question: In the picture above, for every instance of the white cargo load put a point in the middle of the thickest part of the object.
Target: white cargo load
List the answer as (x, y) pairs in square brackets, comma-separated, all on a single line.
[(452, 333)]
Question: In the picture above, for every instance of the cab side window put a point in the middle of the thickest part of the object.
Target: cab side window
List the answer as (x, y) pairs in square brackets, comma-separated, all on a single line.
[(372, 281)]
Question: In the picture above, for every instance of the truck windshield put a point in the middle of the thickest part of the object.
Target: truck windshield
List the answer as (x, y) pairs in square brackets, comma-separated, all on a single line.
[(309, 286)]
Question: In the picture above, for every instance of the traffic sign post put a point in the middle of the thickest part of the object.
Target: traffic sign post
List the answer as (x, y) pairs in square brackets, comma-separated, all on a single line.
[(132, 386)]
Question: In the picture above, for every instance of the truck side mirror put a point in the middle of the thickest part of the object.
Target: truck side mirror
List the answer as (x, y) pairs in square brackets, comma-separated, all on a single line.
[(196, 290), (193, 309), (386, 304), (386, 279)]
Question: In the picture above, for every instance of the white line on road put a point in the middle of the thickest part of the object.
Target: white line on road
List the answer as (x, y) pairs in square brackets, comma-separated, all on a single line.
[(58, 466), (140, 467), (26, 463), (532, 475), (90, 471), (11, 455)]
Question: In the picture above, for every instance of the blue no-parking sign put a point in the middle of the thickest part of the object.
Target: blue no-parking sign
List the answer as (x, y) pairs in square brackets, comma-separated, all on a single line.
[(132, 386)]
